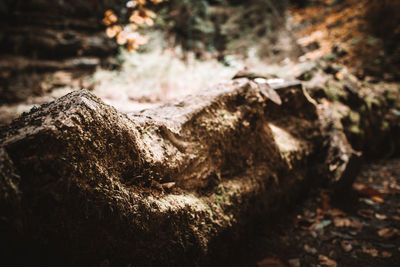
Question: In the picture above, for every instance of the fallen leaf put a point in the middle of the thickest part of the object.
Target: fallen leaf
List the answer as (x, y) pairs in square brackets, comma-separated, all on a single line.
[(366, 213), (358, 187), (380, 216), (336, 213), (271, 262), (294, 262), (395, 217), (325, 261), (346, 222), (356, 224), (320, 211), (309, 249), (377, 199), (342, 222), (386, 254), (368, 201), (373, 252), (388, 233), (366, 190), (370, 192), (346, 245), (395, 188)]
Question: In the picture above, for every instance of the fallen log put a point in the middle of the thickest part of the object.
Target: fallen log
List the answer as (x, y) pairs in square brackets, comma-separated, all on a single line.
[(39, 38), (161, 186)]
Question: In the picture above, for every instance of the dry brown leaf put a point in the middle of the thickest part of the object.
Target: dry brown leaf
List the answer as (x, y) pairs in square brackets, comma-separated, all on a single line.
[(325, 261), (395, 217), (320, 211), (336, 213), (367, 190), (346, 222), (342, 222), (388, 233), (157, 1), (366, 213), (380, 216), (356, 224), (271, 262), (373, 252), (377, 199), (395, 186), (386, 254), (358, 187)]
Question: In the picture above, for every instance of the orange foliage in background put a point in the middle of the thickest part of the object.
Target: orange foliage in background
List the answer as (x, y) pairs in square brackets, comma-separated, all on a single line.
[(127, 34), (361, 34)]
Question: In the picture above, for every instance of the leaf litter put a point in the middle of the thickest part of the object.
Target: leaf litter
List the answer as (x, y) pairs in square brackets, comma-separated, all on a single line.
[(364, 233)]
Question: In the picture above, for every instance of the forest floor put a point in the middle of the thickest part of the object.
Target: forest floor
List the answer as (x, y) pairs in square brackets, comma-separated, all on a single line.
[(342, 31), (362, 229)]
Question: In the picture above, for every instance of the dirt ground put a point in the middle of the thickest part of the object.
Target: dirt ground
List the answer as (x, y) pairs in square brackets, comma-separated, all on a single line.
[(360, 230)]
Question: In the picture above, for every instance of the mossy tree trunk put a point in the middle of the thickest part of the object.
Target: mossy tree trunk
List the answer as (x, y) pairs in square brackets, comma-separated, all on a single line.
[(162, 186)]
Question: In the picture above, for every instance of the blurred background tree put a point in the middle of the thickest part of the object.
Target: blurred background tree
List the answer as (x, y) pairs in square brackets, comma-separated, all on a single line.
[(206, 25), (48, 44)]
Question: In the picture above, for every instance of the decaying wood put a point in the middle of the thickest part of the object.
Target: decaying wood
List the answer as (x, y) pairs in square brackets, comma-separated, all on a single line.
[(162, 186)]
